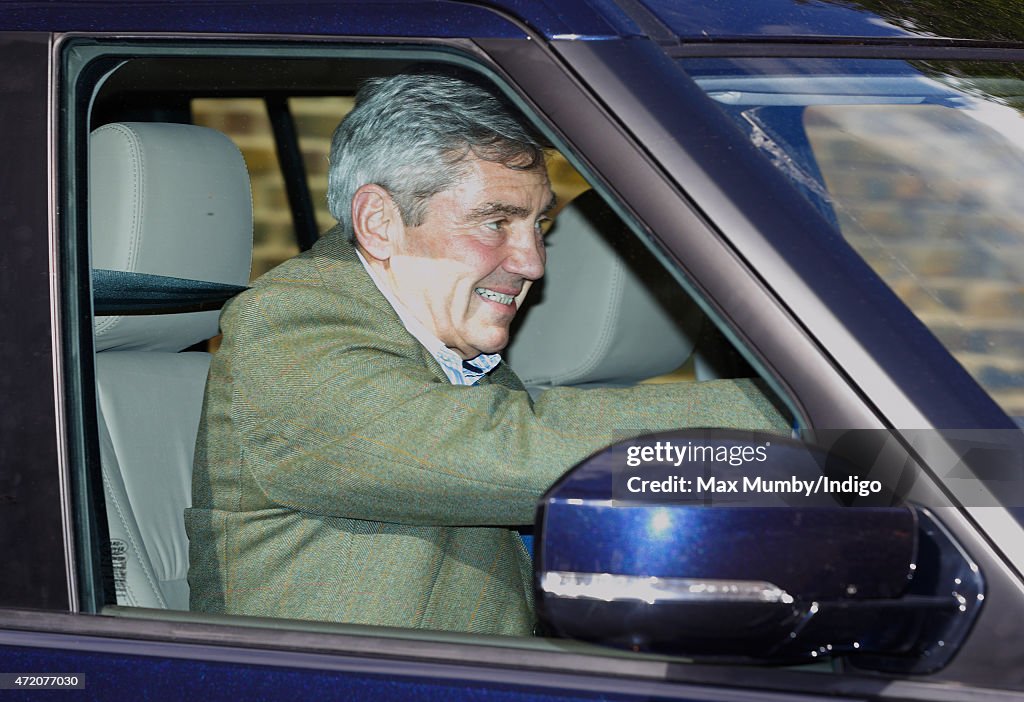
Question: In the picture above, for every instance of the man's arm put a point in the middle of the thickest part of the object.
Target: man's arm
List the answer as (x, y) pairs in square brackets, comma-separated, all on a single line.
[(338, 418)]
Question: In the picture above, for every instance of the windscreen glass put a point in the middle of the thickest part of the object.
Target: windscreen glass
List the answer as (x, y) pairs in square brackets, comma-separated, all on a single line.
[(920, 166)]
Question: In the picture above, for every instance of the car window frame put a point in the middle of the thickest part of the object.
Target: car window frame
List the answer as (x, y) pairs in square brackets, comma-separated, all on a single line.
[(83, 55), (79, 358), (79, 393)]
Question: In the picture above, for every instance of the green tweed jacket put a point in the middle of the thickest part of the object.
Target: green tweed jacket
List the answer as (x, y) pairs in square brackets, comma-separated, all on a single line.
[(340, 476)]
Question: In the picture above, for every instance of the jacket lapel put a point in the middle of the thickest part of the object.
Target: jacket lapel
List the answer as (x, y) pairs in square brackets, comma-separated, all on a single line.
[(341, 269)]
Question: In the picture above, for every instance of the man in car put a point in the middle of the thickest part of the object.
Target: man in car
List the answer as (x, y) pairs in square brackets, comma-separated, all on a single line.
[(364, 453)]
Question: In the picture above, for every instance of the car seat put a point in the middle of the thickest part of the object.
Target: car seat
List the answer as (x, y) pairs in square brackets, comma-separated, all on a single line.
[(606, 313), (164, 200)]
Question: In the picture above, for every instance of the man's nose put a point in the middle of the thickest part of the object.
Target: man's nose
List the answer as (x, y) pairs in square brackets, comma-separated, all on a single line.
[(526, 256)]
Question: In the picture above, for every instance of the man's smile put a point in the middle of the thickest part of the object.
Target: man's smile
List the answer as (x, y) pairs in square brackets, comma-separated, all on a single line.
[(495, 296)]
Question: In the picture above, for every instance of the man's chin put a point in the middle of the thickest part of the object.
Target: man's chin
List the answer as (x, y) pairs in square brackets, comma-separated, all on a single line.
[(492, 344)]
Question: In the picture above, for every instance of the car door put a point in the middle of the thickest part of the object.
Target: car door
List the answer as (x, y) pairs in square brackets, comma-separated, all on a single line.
[(60, 626), (700, 197)]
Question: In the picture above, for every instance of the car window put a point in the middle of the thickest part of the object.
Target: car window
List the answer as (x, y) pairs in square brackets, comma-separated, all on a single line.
[(149, 87), (917, 165)]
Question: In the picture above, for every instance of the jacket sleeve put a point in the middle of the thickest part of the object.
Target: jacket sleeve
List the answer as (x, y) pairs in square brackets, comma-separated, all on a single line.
[(341, 417)]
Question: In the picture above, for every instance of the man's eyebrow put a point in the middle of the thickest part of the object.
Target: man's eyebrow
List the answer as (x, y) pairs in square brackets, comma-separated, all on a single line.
[(489, 209)]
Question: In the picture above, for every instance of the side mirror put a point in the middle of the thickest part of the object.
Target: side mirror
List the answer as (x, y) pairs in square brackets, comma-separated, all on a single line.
[(734, 544)]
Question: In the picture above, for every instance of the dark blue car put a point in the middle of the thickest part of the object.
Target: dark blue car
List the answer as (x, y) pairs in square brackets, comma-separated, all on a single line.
[(824, 195)]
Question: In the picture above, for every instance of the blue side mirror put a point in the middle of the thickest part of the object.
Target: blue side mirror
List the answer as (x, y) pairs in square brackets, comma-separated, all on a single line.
[(733, 544)]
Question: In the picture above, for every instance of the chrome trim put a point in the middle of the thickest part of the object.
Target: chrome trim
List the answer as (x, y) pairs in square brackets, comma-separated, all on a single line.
[(56, 328), (620, 588)]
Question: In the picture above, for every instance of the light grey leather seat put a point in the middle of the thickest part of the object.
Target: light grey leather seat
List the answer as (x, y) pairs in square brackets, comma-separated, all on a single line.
[(171, 200), (607, 313)]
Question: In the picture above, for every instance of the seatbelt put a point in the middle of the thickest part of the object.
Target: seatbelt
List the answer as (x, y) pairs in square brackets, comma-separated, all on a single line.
[(124, 293)]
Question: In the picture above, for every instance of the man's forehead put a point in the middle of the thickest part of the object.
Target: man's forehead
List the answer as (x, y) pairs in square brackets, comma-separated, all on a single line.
[(485, 183)]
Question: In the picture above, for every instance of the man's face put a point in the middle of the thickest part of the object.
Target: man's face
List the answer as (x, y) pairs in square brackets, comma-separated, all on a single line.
[(464, 271)]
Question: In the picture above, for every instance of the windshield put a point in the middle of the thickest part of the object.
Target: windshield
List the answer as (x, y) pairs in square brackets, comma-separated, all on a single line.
[(921, 168)]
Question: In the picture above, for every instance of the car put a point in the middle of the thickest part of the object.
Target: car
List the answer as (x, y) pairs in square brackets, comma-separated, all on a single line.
[(819, 195)]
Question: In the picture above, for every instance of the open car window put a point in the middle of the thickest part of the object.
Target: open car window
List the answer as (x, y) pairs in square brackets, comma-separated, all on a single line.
[(277, 129)]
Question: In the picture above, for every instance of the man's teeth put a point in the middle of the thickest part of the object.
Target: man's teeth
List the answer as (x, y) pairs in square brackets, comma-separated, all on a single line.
[(496, 296)]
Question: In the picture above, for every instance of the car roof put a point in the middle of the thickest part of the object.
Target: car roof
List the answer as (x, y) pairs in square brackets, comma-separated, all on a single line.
[(668, 21)]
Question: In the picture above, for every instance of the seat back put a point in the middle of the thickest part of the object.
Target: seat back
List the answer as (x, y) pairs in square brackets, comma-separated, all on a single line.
[(606, 312), (169, 200)]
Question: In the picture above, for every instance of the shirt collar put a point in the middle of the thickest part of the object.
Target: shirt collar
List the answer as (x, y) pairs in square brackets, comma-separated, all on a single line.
[(459, 372)]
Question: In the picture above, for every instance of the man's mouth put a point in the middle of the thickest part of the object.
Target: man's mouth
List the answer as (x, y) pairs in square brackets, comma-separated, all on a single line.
[(495, 296)]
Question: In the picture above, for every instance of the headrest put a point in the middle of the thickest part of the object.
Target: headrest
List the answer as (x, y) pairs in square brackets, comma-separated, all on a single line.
[(608, 313), (170, 200)]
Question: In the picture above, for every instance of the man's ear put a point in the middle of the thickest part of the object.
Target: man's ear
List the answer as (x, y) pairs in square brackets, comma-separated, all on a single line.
[(376, 221)]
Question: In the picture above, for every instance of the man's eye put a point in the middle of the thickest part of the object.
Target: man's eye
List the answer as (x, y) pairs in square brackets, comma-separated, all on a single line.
[(495, 226), (542, 225)]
